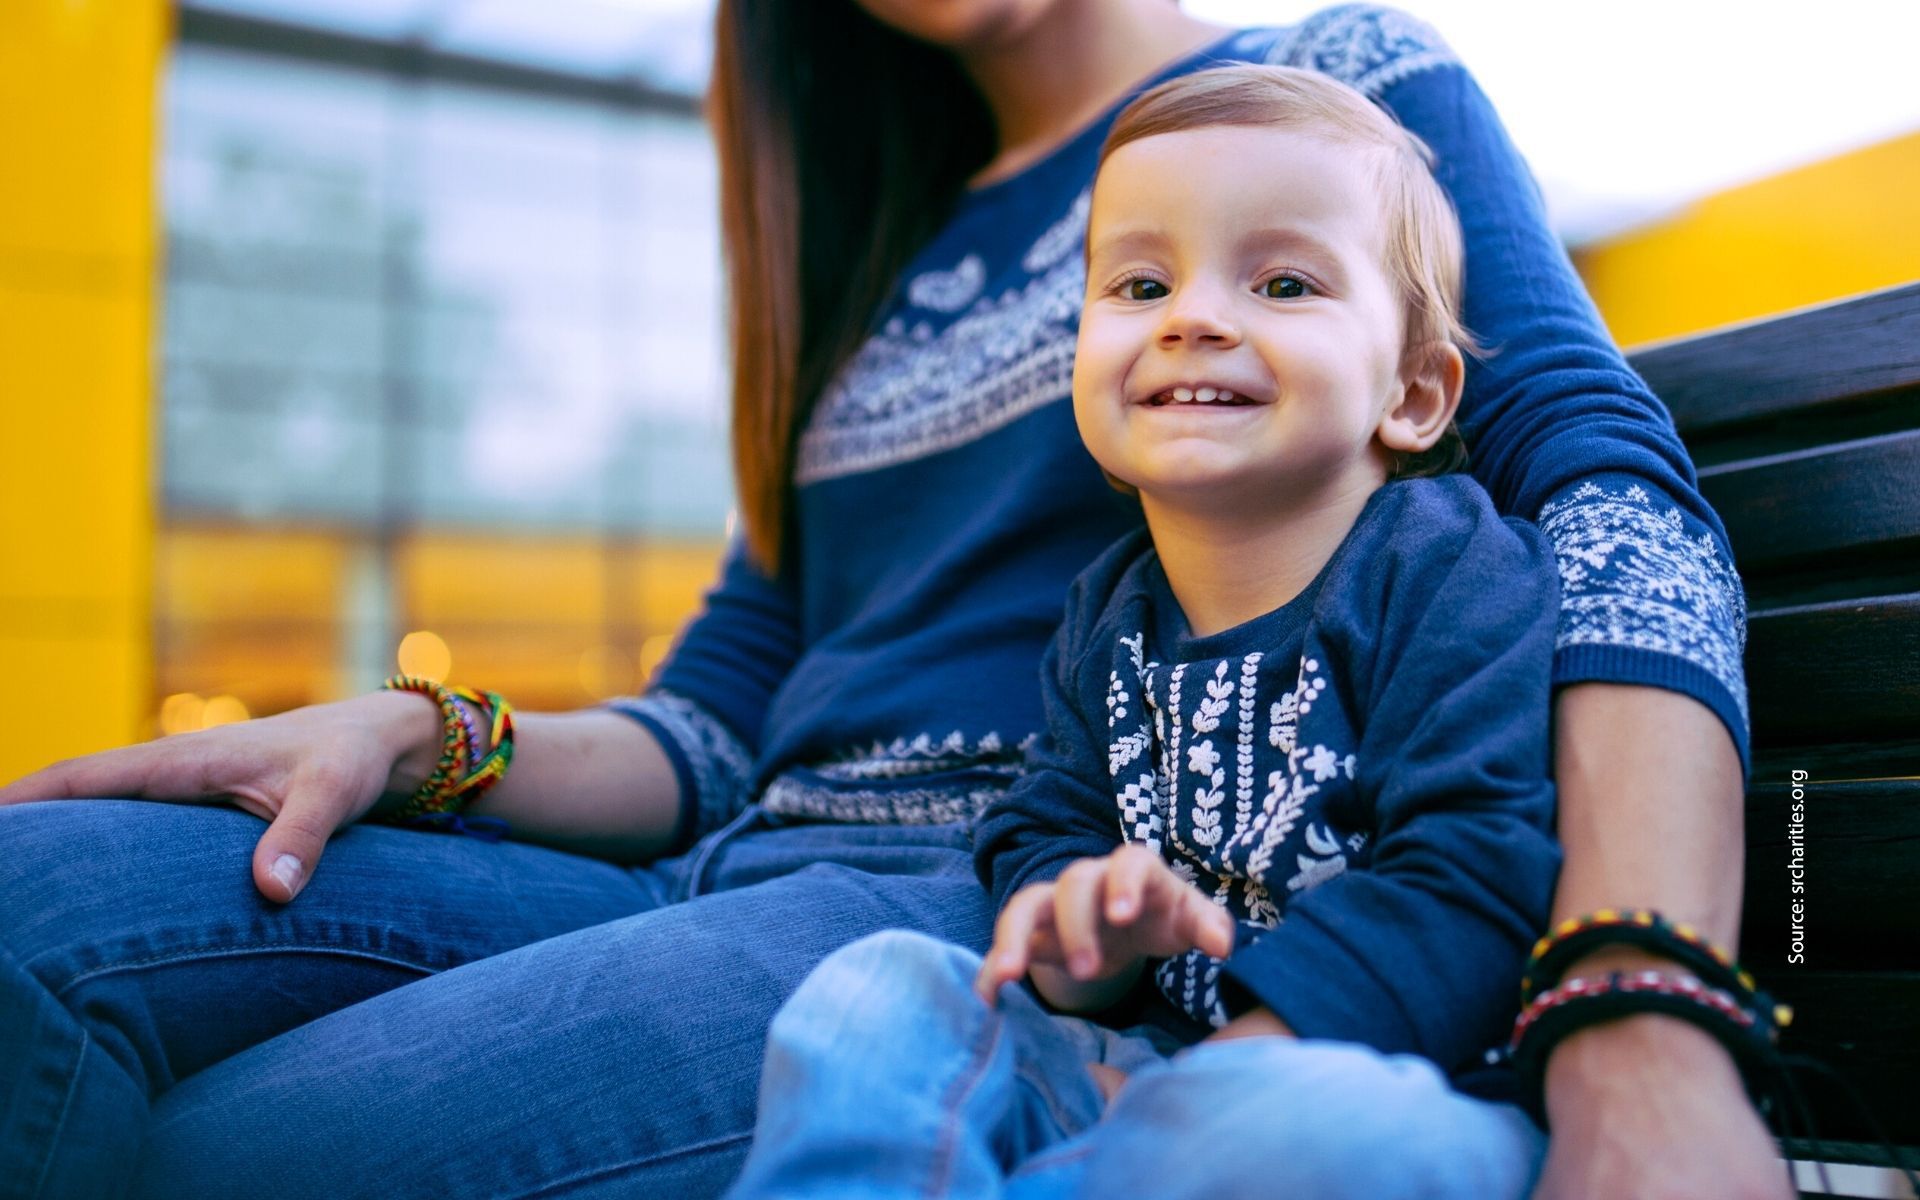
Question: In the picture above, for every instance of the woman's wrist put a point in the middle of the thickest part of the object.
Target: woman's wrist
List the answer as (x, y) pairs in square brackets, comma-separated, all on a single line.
[(1627, 1058), (408, 728)]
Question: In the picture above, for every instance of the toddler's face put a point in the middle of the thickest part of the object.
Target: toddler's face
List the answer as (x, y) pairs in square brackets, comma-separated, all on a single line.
[(1240, 339)]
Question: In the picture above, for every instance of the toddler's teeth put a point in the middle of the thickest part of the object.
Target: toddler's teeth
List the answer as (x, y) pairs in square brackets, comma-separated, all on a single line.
[(1225, 394), (1205, 395), (1182, 395)]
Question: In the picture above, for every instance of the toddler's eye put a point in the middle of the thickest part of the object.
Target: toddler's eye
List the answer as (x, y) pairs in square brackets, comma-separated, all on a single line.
[(1283, 287), (1143, 289)]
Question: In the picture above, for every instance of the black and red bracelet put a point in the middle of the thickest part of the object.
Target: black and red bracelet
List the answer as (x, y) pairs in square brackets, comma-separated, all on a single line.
[(1642, 928), (1748, 1033)]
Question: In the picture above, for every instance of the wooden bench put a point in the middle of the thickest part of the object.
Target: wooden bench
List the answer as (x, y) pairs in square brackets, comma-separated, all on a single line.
[(1806, 429)]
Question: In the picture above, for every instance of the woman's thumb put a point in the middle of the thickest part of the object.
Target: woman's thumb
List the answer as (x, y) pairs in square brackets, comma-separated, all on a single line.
[(284, 859)]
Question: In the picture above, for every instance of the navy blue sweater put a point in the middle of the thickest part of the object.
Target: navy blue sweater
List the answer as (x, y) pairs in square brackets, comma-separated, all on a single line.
[(1360, 776), (944, 502)]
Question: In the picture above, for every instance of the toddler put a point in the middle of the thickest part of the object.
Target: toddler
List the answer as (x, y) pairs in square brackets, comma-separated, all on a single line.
[(1289, 834)]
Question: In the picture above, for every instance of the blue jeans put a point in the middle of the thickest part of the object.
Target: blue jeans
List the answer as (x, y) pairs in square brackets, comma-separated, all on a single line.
[(434, 1016), (886, 1076)]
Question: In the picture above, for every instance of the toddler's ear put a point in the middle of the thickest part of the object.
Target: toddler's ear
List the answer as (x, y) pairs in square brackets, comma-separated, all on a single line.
[(1429, 391)]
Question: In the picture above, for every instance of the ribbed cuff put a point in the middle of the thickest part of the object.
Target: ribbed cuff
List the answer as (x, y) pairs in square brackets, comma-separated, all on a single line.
[(1648, 595), (1652, 668), (711, 764)]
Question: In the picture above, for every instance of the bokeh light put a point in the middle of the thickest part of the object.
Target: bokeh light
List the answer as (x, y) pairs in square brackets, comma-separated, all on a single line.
[(425, 654), (223, 710), (182, 712)]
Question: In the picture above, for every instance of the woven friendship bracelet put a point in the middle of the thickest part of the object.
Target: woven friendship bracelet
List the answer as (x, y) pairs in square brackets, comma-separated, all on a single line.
[(492, 765), (1747, 1033), (469, 763), (1648, 930)]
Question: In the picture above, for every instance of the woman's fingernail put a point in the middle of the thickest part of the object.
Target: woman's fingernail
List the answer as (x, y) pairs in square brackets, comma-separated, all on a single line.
[(286, 869), (1082, 964)]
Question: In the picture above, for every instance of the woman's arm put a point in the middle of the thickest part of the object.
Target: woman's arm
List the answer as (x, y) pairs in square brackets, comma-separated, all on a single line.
[(1650, 815), (593, 782)]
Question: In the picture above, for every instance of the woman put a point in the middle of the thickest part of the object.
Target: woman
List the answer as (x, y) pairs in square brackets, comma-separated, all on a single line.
[(903, 192)]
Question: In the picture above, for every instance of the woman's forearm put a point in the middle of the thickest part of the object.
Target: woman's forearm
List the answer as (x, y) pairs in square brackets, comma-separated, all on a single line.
[(1650, 807), (1650, 816), (592, 782)]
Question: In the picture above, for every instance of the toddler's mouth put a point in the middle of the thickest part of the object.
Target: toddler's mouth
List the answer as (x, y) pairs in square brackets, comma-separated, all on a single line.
[(1216, 397)]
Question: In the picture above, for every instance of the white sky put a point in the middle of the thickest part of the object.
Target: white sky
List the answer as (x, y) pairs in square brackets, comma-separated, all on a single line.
[(1629, 108), (1626, 108)]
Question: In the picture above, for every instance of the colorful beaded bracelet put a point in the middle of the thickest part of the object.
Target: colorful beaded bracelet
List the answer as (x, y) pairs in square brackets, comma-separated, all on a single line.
[(1648, 930), (466, 767), (1748, 1034)]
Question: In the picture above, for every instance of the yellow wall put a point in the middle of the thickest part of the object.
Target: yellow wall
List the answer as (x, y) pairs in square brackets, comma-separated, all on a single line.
[(77, 278), (1835, 228)]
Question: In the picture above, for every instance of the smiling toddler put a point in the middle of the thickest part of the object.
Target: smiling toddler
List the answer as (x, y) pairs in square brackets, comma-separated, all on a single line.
[(1289, 835)]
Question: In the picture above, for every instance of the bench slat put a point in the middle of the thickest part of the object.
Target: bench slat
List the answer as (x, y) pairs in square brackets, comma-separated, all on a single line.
[(1835, 498), (1811, 424), (1843, 671), (1794, 363)]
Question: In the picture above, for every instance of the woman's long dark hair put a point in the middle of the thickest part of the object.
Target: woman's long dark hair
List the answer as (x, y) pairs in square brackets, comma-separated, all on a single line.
[(843, 145)]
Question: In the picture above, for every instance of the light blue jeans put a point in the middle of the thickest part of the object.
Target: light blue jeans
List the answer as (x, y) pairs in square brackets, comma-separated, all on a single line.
[(434, 1016), (886, 1076)]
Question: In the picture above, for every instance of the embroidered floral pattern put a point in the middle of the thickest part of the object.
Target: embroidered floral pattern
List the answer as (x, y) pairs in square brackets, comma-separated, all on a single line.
[(796, 796), (1631, 575), (863, 786), (949, 291), (910, 391), (922, 754), (1230, 853), (1062, 238), (1364, 45)]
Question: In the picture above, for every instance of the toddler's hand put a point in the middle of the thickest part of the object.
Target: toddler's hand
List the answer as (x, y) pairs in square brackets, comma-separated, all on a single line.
[(1100, 918)]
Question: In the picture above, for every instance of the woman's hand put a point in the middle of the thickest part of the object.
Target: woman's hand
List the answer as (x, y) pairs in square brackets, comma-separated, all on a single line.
[(1096, 924), (307, 772)]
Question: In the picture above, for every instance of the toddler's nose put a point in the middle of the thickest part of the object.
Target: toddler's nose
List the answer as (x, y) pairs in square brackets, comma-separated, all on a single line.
[(1198, 315)]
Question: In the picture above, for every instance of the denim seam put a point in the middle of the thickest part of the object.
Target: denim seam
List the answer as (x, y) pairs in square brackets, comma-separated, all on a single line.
[(939, 1176), (233, 952), (556, 1187), (696, 874), (66, 1106)]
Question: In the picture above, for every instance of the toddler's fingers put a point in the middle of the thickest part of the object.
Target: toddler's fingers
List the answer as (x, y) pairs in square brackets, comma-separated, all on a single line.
[(1008, 958), (1206, 925), (1044, 947), (1127, 878), (1078, 920)]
